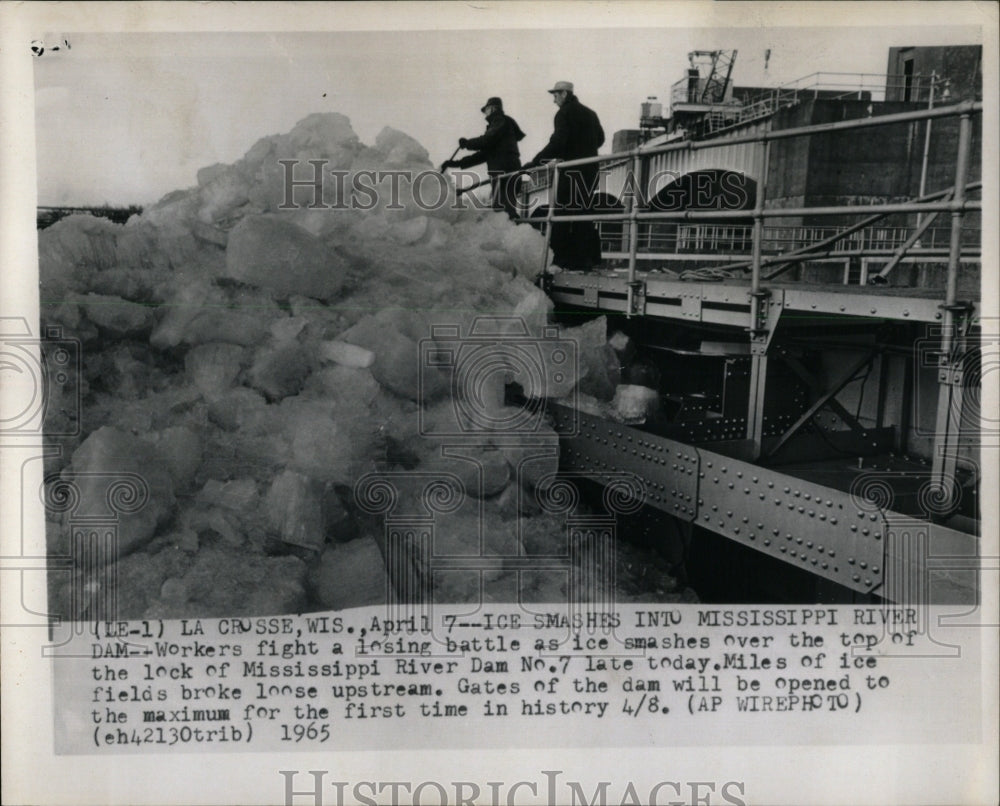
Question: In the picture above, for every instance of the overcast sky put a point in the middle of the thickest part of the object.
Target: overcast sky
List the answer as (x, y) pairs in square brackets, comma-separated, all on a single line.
[(126, 117)]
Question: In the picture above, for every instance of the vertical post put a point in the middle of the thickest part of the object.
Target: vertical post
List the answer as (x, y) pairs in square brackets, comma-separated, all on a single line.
[(949, 406), (758, 317), (927, 148), (633, 231), (548, 224)]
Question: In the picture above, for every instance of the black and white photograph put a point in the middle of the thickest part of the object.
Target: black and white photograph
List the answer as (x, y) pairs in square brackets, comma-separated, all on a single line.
[(499, 403)]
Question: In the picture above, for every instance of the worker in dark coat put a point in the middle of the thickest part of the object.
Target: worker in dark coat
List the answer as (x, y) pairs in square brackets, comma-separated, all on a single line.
[(578, 134), (497, 147)]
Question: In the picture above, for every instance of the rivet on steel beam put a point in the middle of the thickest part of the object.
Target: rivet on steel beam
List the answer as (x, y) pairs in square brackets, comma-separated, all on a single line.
[(856, 578), (877, 535), (767, 541), (874, 569), (822, 516), (825, 566), (729, 513), (831, 552), (833, 521), (865, 532), (714, 508), (762, 496), (730, 485), (775, 532), (770, 485), (807, 496), (850, 561)]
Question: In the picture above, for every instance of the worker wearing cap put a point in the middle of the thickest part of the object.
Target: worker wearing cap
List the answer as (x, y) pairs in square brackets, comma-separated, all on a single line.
[(497, 147), (577, 134)]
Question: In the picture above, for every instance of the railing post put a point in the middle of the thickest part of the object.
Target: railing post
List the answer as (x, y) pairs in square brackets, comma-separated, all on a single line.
[(758, 318), (953, 347), (633, 231), (553, 187), (927, 146)]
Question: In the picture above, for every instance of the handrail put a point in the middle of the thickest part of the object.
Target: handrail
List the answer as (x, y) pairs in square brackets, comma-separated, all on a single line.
[(970, 107)]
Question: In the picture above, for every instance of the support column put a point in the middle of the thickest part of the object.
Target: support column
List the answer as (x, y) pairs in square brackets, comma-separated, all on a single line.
[(953, 339), (633, 242), (759, 340)]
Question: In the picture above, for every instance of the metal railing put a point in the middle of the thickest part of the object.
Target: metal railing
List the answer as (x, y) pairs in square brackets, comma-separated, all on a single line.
[(738, 238), (953, 201)]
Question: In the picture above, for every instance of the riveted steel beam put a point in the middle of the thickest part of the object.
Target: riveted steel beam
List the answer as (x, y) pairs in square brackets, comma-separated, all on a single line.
[(822, 530), (728, 302)]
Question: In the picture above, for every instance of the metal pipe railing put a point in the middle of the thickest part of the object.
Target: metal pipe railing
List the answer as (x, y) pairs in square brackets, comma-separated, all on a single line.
[(966, 107), (961, 171), (784, 212)]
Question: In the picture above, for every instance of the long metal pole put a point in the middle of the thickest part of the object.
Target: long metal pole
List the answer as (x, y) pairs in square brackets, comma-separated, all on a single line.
[(633, 231), (758, 236), (927, 145), (758, 340), (950, 393), (957, 214), (548, 221)]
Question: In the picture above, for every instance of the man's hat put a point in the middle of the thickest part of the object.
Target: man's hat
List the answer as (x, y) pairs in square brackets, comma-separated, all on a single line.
[(494, 101), (562, 86)]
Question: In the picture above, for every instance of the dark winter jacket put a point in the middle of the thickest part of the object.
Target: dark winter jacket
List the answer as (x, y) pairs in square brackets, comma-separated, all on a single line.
[(497, 147), (577, 134)]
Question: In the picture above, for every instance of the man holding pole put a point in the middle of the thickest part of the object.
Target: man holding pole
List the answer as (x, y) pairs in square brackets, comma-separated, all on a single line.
[(578, 134), (497, 147)]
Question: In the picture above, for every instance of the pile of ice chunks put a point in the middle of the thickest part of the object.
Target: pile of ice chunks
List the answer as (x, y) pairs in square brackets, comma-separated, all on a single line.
[(247, 358)]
